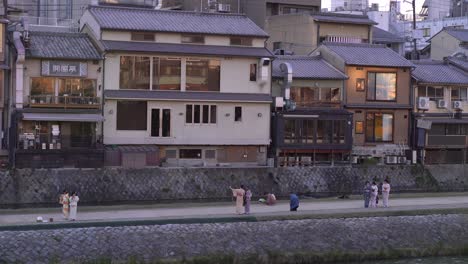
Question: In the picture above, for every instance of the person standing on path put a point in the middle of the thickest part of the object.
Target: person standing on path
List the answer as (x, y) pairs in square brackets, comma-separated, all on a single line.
[(239, 194), (293, 202), (373, 195), (367, 194), (73, 206), (64, 200), (248, 198), (385, 192)]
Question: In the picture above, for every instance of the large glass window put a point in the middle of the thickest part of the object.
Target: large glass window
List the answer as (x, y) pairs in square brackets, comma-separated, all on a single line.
[(458, 94), (42, 86), (203, 75), (434, 93), (307, 96), (166, 73), (379, 127), (69, 91), (134, 72), (381, 86), (131, 115)]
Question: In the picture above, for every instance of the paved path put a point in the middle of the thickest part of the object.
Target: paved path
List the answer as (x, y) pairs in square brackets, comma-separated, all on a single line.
[(197, 210)]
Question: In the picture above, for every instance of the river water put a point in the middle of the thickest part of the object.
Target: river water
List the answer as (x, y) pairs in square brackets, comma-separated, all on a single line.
[(439, 260)]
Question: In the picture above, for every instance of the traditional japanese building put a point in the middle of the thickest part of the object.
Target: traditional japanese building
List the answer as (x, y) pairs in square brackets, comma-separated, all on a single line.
[(182, 88), (57, 108)]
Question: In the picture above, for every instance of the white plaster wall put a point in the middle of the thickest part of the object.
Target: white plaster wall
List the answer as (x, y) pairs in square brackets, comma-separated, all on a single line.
[(116, 35), (88, 19), (235, 74), (253, 130), (443, 45)]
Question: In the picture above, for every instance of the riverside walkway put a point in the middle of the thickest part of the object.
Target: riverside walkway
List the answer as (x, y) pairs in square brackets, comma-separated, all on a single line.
[(333, 207)]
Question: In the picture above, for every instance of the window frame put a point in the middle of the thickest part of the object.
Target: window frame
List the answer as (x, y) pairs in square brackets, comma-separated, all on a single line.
[(243, 41), (433, 98), (373, 132), (161, 122), (201, 114), (375, 87), (134, 37), (188, 149), (237, 119), (183, 39)]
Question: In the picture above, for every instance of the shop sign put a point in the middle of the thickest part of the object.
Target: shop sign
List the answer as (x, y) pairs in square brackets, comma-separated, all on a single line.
[(64, 68)]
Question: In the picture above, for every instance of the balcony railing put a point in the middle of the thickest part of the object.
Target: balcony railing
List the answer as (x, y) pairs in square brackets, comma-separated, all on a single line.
[(317, 103), (450, 140), (50, 101)]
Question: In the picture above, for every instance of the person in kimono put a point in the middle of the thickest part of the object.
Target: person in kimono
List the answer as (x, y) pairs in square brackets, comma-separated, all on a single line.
[(248, 198), (293, 202), (239, 195), (367, 194), (270, 199), (385, 192), (373, 195), (64, 201), (73, 206)]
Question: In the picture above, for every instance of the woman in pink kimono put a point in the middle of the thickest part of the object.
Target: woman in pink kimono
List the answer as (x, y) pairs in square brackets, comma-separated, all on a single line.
[(64, 201), (239, 194), (385, 192)]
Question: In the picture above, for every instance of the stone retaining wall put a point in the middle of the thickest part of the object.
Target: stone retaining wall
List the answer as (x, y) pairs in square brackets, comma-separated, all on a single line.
[(42, 187), (245, 242)]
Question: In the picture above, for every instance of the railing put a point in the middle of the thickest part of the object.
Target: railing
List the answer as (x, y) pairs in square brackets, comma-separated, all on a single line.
[(441, 140), (317, 103), (50, 101)]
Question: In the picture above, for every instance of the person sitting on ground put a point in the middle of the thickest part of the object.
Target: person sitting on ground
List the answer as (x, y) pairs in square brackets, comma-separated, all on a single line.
[(294, 202), (270, 199)]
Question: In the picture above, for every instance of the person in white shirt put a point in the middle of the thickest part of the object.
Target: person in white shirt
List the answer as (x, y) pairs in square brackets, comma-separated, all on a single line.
[(373, 196), (385, 192), (73, 206)]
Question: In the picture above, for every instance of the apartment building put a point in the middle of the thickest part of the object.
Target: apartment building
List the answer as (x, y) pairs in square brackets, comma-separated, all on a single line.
[(377, 92), (56, 117), (191, 85), (440, 111)]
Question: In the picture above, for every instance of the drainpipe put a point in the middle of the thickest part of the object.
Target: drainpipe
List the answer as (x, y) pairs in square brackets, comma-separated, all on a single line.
[(19, 69)]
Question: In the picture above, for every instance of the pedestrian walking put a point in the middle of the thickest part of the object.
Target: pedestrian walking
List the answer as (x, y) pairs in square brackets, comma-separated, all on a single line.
[(239, 194), (367, 194), (64, 200), (73, 206), (385, 192), (373, 195), (248, 198), (293, 202)]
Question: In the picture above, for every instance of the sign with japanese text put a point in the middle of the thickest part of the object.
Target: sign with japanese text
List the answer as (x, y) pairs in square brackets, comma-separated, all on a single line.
[(64, 68)]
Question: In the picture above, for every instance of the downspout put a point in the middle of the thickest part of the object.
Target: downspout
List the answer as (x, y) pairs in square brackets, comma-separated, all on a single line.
[(102, 96)]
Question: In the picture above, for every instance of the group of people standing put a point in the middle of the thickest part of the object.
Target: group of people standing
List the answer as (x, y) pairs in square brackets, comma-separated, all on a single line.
[(69, 205), (371, 194)]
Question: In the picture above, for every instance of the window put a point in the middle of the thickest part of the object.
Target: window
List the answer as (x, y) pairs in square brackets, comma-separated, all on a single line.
[(339, 131), (142, 36), (241, 41), (210, 154), (379, 127), (198, 39), (160, 122), (434, 93), (135, 72), (426, 32), (308, 96), (42, 86), (381, 86), (324, 131), (207, 112), (77, 87), (359, 127), (290, 131), (190, 153), (131, 115), (360, 84), (458, 94), (166, 73), (69, 91), (253, 72), (238, 114), (203, 75)]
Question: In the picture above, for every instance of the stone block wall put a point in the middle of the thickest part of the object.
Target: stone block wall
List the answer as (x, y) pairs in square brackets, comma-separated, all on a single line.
[(114, 185)]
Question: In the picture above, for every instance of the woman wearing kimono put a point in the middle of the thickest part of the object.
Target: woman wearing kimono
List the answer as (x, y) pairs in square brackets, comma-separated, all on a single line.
[(373, 195), (385, 192), (64, 201), (73, 206), (239, 194), (248, 197)]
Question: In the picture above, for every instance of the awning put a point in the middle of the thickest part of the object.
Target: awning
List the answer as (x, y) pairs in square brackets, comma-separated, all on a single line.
[(63, 117)]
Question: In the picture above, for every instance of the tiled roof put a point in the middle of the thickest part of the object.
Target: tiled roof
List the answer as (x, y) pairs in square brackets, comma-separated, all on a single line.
[(367, 55), (460, 62), (382, 36), (140, 19), (54, 45), (343, 18), (460, 34), (438, 72), (188, 49), (307, 68)]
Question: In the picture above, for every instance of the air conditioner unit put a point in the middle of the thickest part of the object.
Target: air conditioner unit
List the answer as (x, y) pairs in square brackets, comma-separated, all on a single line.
[(264, 67), (226, 8), (457, 105), (391, 159), (402, 160), (423, 103), (441, 104)]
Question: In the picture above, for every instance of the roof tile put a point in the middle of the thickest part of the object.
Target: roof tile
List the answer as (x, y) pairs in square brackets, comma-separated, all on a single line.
[(308, 68), (437, 72)]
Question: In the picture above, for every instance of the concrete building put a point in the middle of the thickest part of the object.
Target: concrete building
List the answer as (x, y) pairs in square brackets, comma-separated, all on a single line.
[(349, 5), (459, 8), (302, 33), (448, 42), (378, 94), (435, 9), (193, 93), (440, 111), (310, 127), (56, 104)]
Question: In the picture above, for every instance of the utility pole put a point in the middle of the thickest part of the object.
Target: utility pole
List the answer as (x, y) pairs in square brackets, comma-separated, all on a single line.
[(415, 52)]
